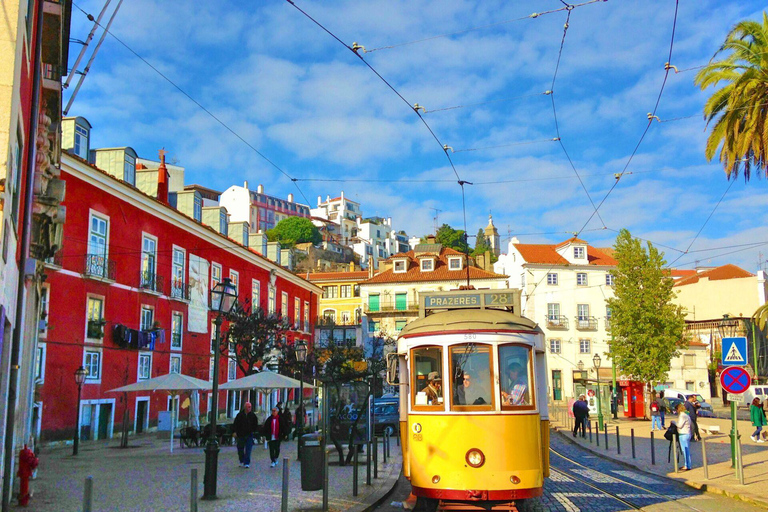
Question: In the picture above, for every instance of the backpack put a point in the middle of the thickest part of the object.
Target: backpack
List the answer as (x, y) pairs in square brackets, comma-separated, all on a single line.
[(654, 407), (671, 432)]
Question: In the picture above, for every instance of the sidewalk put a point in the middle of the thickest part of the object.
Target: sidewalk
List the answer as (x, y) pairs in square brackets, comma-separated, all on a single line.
[(146, 476), (722, 479)]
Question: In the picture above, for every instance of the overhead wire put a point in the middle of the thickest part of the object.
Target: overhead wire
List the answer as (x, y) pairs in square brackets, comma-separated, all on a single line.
[(200, 105), (526, 143), (432, 111)]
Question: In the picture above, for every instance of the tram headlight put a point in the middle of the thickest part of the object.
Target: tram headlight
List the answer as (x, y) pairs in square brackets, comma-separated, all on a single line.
[(435, 479), (475, 458), (514, 479)]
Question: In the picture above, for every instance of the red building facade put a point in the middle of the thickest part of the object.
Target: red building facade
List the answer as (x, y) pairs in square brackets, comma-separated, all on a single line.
[(127, 298)]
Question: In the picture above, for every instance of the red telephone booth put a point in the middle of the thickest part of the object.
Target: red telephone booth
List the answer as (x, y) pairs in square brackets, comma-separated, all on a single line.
[(634, 398)]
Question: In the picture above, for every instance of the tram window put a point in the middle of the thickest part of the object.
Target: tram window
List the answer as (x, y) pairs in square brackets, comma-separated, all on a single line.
[(471, 377), (428, 377), (515, 381)]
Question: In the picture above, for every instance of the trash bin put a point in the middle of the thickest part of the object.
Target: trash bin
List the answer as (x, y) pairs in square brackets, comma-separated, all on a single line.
[(311, 462)]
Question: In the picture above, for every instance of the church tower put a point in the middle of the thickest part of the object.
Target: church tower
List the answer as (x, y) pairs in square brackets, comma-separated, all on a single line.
[(492, 235)]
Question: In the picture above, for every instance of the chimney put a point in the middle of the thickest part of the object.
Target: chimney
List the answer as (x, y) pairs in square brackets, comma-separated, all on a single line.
[(162, 179), (290, 198), (431, 239), (245, 185), (140, 166), (351, 266), (260, 189), (319, 200)]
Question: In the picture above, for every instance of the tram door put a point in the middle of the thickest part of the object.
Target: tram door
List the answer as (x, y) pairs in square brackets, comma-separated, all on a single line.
[(557, 385)]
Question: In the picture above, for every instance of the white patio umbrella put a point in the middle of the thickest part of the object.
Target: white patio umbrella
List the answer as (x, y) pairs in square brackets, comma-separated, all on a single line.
[(173, 384), (265, 380)]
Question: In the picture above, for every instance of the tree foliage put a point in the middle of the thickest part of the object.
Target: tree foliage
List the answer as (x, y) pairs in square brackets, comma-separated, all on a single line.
[(646, 328), (453, 238), (253, 336), (295, 230), (482, 245), (739, 109)]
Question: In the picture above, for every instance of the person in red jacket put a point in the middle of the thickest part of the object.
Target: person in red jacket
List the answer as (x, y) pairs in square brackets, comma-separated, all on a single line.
[(272, 433)]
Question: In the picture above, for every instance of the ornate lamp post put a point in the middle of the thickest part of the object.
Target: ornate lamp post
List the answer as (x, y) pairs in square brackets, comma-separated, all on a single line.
[(80, 375), (301, 358), (727, 327), (596, 361), (223, 301)]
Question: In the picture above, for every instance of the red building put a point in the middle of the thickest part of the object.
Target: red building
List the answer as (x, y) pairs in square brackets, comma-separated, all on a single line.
[(127, 297)]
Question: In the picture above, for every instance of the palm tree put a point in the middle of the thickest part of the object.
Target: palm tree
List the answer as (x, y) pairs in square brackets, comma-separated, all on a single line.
[(739, 108)]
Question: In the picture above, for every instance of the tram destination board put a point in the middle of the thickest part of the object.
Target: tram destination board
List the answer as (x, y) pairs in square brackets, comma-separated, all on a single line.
[(474, 299)]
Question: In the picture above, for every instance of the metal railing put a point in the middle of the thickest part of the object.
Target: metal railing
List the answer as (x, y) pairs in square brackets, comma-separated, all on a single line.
[(96, 265), (54, 260), (586, 323), (557, 322), (389, 307), (150, 281), (180, 290)]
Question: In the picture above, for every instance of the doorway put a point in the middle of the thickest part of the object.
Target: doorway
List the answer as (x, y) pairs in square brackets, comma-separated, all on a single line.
[(142, 415), (105, 418), (557, 385)]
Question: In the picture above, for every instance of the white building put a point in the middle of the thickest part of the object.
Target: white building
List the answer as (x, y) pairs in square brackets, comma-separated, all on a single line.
[(564, 289), (260, 211), (340, 211)]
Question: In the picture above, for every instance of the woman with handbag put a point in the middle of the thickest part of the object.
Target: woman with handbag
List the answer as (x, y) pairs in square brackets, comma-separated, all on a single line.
[(757, 415), (684, 429)]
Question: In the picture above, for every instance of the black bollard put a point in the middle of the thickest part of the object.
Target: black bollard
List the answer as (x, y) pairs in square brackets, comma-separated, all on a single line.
[(618, 441), (597, 434), (354, 470), (653, 451), (605, 429), (632, 438), (589, 426)]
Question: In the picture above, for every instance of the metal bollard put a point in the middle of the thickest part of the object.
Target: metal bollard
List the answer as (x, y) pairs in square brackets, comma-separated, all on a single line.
[(704, 458), (88, 495), (286, 475), (589, 425), (354, 470), (375, 457), (632, 441), (193, 491), (368, 463), (385, 446), (605, 428), (325, 479), (618, 440), (653, 451), (674, 453), (739, 462)]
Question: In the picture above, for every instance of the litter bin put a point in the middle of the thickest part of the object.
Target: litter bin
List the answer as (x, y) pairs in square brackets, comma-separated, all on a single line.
[(311, 463)]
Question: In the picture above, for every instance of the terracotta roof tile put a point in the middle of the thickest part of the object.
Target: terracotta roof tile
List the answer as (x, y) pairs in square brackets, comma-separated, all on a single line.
[(678, 273), (573, 240), (716, 274), (440, 273), (547, 254), (359, 275)]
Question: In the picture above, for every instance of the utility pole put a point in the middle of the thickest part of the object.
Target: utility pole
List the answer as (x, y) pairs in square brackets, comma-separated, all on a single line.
[(434, 219)]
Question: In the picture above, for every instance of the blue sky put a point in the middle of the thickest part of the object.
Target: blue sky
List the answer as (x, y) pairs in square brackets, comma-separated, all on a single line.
[(316, 111)]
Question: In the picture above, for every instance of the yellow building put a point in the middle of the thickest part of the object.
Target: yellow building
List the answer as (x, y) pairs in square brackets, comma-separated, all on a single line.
[(340, 303)]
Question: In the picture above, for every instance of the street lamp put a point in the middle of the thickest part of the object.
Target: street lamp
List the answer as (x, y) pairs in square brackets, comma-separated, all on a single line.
[(223, 301), (596, 361), (301, 358), (80, 375)]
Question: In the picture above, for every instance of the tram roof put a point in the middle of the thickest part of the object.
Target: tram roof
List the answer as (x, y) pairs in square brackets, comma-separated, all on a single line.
[(469, 319)]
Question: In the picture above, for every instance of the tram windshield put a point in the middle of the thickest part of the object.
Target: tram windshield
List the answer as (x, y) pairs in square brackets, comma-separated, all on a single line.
[(515, 368), (471, 376), (427, 377)]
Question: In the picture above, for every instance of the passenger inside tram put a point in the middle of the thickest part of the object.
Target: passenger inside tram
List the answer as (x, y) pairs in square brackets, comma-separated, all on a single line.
[(472, 374), (434, 389), (515, 388), (469, 391)]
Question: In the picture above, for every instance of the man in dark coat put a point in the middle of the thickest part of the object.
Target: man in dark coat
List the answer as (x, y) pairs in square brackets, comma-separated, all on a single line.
[(272, 432), (246, 424), (580, 414), (692, 406), (286, 423)]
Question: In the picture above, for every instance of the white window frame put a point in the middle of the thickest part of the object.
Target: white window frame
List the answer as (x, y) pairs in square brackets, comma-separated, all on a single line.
[(427, 265), (296, 313), (129, 162), (144, 356), (403, 267), (306, 316), (214, 279), (580, 309), (451, 262), (272, 300), (231, 370), (89, 379), (588, 342), (180, 268), (284, 304), (582, 279), (553, 316), (330, 314), (40, 354), (88, 318), (555, 346), (255, 294), (104, 218), (579, 252), (136, 413), (552, 278), (345, 291), (180, 316), (145, 254), (142, 324), (609, 279), (234, 277), (174, 357), (45, 308), (81, 132)]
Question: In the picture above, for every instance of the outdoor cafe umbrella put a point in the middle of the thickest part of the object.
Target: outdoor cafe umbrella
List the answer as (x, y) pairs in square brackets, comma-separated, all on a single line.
[(265, 380), (172, 383)]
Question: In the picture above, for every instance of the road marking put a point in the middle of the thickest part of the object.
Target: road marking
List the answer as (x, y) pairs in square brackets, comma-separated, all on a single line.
[(569, 506), (636, 476), (597, 476), (557, 476)]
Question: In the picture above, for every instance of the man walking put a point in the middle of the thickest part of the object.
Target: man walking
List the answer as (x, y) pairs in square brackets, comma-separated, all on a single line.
[(272, 433), (663, 408), (655, 414), (580, 414), (245, 426), (691, 408)]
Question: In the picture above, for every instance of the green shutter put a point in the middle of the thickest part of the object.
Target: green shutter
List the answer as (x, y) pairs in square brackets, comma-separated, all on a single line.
[(400, 301), (373, 303)]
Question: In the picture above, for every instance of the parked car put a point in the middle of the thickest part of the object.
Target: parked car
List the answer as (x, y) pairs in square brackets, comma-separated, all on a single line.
[(681, 395), (386, 412), (759, 391)]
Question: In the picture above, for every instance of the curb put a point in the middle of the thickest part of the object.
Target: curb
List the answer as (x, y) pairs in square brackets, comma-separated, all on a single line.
[(384, 496), (704, 487)]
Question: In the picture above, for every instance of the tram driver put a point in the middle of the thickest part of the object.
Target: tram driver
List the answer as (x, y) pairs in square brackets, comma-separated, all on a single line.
[(433, 390), (518, 386)]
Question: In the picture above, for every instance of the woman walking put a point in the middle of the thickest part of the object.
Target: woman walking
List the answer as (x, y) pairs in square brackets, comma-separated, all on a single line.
[(757, 415), (684, 425)]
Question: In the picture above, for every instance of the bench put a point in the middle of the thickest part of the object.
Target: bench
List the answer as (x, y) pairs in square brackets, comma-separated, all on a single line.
[(710, 429)]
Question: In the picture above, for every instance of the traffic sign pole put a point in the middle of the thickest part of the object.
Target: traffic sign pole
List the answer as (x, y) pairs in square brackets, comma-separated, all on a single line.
[(734, 380), (734, 434)]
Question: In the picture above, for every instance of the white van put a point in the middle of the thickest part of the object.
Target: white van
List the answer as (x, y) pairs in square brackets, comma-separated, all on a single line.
[(760, 391), (683, 394)]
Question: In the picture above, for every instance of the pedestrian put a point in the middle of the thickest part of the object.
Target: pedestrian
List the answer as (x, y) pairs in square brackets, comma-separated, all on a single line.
[(301, 420), (663, 409), (692, 406), (246, 424), (684, 430), (272, 433), (655, 415), (580, 415), (757, 415), (286, 423)]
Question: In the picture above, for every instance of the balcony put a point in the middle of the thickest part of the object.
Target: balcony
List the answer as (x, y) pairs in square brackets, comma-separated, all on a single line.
[(99, 267), (96, 329), (586, 323), (54, 261), (393, 307), (557, 322), (151, 282), (608, 323), (180, 290)]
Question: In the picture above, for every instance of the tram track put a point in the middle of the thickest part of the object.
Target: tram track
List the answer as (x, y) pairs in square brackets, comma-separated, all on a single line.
[(616, 496)]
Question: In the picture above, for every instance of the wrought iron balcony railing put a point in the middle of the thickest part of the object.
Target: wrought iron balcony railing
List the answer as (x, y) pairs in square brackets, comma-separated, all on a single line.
[(557, 322), (151, 282), (586, 323), (180, 290), (96, 265), (607, 323), (389, 307)]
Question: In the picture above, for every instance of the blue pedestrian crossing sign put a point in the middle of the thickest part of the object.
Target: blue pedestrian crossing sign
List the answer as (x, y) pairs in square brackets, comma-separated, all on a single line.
[(734, 351)]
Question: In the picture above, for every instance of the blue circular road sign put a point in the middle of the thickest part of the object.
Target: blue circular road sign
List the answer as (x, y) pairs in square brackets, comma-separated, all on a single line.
[(735, 380)]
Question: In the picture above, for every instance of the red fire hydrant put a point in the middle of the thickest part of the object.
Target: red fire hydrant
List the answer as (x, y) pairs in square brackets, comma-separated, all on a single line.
[(27, 464)]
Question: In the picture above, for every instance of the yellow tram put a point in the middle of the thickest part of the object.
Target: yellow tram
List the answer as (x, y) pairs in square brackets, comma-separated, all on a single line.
[(474, 422)]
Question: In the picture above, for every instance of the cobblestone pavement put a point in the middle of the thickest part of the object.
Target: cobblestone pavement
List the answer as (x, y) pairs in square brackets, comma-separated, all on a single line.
[(146, 477), (583, 481)]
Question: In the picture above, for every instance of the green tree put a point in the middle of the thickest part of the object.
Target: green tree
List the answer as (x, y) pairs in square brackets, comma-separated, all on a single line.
[(294, 230), (252, 336), (740, 108), (646, 328), (453, 238), (482, 245)]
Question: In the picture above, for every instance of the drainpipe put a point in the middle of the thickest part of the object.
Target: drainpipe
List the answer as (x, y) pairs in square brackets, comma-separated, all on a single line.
[(26, 234)]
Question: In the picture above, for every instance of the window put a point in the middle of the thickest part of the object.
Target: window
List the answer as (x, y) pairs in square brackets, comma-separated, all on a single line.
[(145, 366), (552, 278), (284, 305), (97, 236), (234, 276), (272, 305), (515, 377), (95, 314), (129, 169), (177, 328), (177, 274), (609, 279), (400, 266), (400, 325), (306, 316), (578, 253), (427, 388), (176, 364), (472, 377), (585, 346), (329, 315), (296, 313), (689, 360), (223, 226), (553, 312), (17, 160), (582, 311), (401, 301), (93, 365), (40, 363), (81, 141), (148, 262), (231, 370), (373, 326), (608, 315), (373, 302), (330, 292), (554, 346), (346, 291), (454, 263), (147, 318), (581, 278), (197, 212), (255, 294), (45, 298), (427, 265), (690, 386)]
